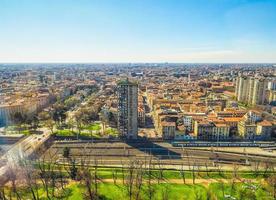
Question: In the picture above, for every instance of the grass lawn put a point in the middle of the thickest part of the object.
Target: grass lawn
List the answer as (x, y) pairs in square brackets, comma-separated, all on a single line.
[(14, 130), (110, 191), (86, 134), (67, 132), (244, 191), (112, 131), (173, 174), (174, 191), (177, 191), (25, 132), (93, 127), (87, 130), (107, 173), (64, 132)]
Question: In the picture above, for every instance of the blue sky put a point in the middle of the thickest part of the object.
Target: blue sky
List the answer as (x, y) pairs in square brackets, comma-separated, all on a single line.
[(137, 31)]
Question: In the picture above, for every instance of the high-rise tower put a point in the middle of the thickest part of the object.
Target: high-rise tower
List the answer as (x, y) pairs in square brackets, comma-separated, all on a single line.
[(251, 90), (128, 108)]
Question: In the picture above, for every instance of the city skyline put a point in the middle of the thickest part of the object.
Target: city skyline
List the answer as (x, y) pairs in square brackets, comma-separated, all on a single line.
[(138, 31)]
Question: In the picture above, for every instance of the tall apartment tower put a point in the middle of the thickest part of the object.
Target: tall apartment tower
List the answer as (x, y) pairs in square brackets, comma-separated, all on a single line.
[(242, 84), (251, 90), (128, 108), (259, 92)]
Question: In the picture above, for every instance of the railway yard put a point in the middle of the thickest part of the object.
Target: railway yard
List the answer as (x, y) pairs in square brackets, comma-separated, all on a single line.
[(161, 154)]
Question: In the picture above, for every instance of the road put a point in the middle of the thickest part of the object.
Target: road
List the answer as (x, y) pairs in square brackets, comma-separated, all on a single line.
[(21, 150)]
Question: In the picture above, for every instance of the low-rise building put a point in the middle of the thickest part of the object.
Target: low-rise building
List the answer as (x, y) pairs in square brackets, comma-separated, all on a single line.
[(168, 130), (247, 130), (264, 129), (207, 130), (141, 116)]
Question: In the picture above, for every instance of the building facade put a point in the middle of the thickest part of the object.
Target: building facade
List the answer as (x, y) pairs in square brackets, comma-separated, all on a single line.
[(251, 90), (128, 109)]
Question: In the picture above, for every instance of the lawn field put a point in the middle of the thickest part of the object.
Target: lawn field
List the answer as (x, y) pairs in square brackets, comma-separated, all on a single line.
[(162, 191), (115, 184)]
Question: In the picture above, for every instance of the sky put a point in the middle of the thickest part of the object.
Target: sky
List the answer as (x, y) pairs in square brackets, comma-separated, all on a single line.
[(212, 31)]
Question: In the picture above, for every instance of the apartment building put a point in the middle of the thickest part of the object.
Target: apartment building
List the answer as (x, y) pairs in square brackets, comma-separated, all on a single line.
[(128, 108)]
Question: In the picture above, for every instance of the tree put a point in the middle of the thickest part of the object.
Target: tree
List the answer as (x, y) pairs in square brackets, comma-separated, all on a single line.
[(81, 119), (193, 172), (71, 124), (79, 122), (59, 113), (66, 152), (71, 102), (47, 120), (31, 178), (271, 183), (50, 124), (73, 170), (90, 179), (160, 172), (19, 118), (134, 179), (44, 116), (12, 176), (182, 173), (115, 175), (49, 175), (33, 122), (150, 186)]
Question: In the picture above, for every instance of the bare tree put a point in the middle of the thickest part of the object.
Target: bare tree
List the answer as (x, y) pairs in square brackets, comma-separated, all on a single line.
[(30, 177), (272, 181), (266, 168), (87, 181), (46, 173), (115, 175), (160, 171), (256, 167), (96, 176), (139, 179), (90, 178), (193, 172), (130, 179), (134, 179), (123, 171), (235, 175), (207, 169), (12, 176), (182, 173), (61, 177), (236, 171), (150, 178), (219, 169), (188, 158)]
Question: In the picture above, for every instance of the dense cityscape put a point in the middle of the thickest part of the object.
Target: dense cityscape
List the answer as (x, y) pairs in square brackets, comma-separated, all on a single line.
[(137, 100), (160, 117)]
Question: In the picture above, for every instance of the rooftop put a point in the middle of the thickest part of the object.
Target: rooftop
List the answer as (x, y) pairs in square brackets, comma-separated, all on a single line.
[(127, 82)]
